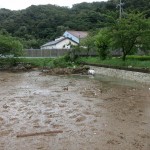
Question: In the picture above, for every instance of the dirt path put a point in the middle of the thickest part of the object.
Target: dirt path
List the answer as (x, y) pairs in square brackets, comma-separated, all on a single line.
[(90, 115)]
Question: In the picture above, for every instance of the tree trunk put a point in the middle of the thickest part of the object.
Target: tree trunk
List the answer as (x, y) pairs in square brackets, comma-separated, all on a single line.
[(124, 57), (88, 49)]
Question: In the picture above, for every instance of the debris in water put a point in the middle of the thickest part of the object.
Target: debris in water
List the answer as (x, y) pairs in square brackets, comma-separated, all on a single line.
[(65, 88), (5, 106)]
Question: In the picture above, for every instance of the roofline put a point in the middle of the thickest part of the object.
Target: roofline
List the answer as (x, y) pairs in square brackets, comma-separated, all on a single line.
[(75, 31), (60, 41)]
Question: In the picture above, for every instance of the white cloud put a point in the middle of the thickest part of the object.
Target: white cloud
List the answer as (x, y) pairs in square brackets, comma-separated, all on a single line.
[(22, 4)]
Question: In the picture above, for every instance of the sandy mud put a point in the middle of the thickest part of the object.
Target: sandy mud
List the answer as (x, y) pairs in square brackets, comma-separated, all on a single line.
[(42, 112)]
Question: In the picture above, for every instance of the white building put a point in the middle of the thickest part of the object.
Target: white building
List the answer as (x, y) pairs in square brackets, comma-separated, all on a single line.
[(69, 38), (59, 43)]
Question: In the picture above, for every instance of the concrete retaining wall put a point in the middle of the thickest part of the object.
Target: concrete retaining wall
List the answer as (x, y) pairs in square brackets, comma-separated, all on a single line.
[(128, 75)]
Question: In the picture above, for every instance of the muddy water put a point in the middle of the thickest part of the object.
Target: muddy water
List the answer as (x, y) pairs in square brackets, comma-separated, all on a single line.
[(93, 113)]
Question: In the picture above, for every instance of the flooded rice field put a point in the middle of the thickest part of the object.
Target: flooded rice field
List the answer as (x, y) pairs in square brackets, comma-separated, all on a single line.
[(42, 112)]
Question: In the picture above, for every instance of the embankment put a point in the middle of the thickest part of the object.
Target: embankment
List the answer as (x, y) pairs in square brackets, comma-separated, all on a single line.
[(124, 74)]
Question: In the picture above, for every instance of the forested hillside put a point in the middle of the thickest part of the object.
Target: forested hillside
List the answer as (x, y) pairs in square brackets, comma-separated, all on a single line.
[(38, 24)]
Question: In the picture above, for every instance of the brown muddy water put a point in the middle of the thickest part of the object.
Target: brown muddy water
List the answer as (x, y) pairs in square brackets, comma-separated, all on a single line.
[(88, 113)]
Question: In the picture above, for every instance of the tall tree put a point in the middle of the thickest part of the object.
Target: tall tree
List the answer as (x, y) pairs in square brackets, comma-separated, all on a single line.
[(129, 32), (88, 44), (102, 41)]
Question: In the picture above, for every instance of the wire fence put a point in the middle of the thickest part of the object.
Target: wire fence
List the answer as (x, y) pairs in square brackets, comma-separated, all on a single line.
[(45, 52), (54, 52)]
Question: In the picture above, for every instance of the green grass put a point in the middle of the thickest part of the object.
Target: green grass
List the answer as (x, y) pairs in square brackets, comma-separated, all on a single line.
[(59, 62), (135, 63), (137, 57), (37, 62), (6, 62), (63, 62)]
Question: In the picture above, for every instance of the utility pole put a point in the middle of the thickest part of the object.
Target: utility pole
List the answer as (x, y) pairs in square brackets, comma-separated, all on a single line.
[(120, 8)]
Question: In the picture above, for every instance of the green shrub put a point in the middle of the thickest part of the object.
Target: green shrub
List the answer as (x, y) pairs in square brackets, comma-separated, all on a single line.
[(7, 62), (61, 62), (37, 62), (137, 57)]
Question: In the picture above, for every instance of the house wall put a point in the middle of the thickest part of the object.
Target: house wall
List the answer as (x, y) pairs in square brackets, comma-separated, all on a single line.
[(49, 47), (65, 44), (61, 45), (67, 34)]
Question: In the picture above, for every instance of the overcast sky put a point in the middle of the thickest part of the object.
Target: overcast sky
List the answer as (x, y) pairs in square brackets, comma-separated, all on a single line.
[(22, 4)]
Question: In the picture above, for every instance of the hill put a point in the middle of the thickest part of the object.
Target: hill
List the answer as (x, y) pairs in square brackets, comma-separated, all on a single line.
[(38, 24)]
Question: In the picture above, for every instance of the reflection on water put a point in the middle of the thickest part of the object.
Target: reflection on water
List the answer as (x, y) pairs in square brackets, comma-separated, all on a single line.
[(109, 80), (117, 81)]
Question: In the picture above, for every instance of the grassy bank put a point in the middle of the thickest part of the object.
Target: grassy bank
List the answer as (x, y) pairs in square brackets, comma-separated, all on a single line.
[(63, 62), (130, 62), (37, 62)]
